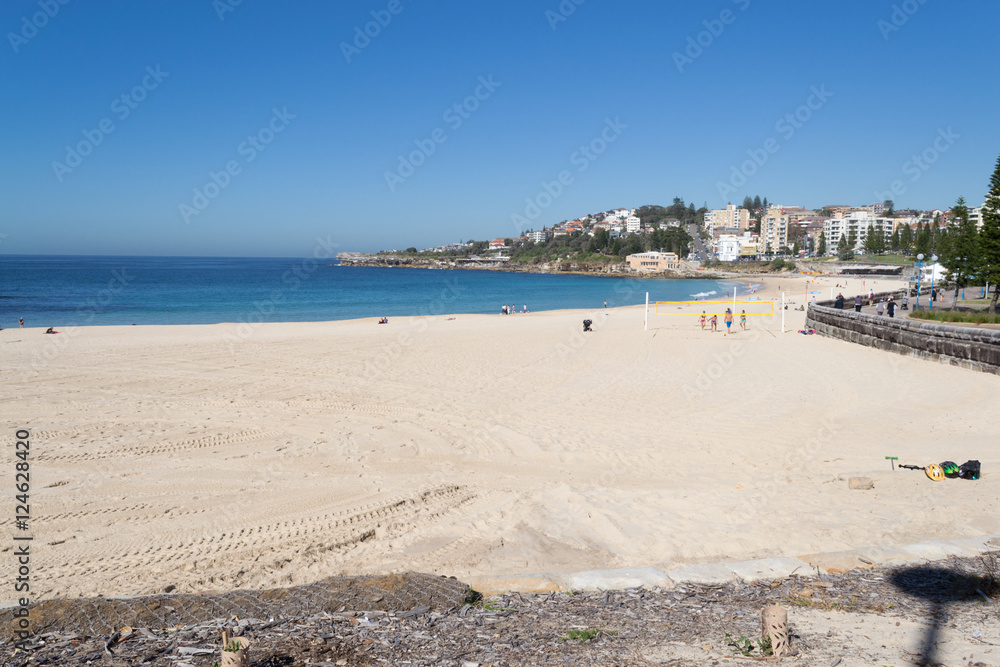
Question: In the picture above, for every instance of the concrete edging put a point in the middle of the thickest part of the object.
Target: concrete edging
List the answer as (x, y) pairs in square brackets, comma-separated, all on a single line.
[(737, 571)]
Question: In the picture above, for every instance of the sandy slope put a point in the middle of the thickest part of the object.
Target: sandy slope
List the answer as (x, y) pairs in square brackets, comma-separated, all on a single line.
[(212, 457)]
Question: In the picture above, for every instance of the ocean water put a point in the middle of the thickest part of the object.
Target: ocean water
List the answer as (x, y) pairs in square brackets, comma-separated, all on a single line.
[(84, 290)]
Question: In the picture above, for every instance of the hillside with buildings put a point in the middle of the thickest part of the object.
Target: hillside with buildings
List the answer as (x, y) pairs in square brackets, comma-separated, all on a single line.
[(657, 239)]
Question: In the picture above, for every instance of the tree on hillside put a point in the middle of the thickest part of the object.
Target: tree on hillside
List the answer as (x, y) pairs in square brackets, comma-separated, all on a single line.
[(989, 239), (961, 256), (821, 250), (756, 203), (890, 208), (825, 212), (747, 203), (894, 240), (852, 241)]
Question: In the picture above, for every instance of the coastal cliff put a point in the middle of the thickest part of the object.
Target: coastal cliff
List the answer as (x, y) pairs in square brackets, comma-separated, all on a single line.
[(615, 269)]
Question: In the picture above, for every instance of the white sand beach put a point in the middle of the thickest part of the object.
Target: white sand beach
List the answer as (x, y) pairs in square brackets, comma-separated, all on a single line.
[(216, 457)]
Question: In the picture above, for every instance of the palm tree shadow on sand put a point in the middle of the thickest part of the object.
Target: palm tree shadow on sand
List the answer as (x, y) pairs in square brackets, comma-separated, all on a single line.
[(944, 587)]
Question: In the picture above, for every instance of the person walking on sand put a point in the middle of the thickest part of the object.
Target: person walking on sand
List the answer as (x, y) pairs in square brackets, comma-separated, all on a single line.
[(729, 320), (743, 320), (715, 322), (20, 321), (702, 319)]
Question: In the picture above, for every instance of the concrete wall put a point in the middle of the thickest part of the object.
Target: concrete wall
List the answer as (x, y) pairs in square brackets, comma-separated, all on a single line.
[(977, 348)]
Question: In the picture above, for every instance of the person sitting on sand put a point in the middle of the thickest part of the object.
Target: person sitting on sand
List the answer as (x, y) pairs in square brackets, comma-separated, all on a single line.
[(715, 322), (702, 319), (50, 330), (384, 320)]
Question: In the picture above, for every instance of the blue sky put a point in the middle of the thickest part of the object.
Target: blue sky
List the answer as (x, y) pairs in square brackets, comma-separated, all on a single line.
[(312, 120)]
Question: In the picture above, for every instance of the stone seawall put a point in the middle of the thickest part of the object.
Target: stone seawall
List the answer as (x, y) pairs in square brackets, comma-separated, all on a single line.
[(977, 348)]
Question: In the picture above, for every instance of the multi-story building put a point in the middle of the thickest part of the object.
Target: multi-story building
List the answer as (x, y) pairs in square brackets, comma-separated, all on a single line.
[(632, 224), (653, 261), (976, 216), (540, 236), (731, 247), (729, 218), (774, 229), (858, 222)]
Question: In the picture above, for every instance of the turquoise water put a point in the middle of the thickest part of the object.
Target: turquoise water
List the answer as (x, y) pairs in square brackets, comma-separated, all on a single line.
[(76, 290)]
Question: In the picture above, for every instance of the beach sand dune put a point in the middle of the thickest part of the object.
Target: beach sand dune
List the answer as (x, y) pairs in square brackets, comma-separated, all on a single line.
[(216, 457)]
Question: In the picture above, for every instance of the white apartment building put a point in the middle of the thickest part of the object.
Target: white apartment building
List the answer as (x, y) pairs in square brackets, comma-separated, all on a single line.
[(728, 218), (730, 247), (632, 224), (976, 216), (774, 229), (858, 222), (540, 236)]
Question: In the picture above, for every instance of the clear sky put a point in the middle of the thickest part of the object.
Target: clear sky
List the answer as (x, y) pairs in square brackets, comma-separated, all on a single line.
[(116, 114)]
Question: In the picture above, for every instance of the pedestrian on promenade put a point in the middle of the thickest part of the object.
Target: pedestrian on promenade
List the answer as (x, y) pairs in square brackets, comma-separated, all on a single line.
[(858, 302), (839, 303), (880, 308), (906, 300), (890, 307)]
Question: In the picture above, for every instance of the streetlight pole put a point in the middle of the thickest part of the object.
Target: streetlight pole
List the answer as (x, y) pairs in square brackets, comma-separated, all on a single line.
[(933, 263), (920, 261)]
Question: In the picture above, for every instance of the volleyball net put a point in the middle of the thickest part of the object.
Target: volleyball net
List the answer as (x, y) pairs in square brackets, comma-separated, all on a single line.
[(752, 307)]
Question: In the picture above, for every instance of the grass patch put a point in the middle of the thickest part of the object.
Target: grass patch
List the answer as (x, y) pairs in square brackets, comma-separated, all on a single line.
[(960, 316), (490, 605), (835, 605), (746, 647), (584, 635)]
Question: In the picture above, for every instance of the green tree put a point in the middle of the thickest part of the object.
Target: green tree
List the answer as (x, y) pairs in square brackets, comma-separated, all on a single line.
[(852, 241), (878, 243), (821, 250), (962, 252), (894, 240), (826, 212), (756, 203), (795, 249), (890, 208), (844, 250), (869, 243), (989, 239), (906, 239), (922, 242)]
